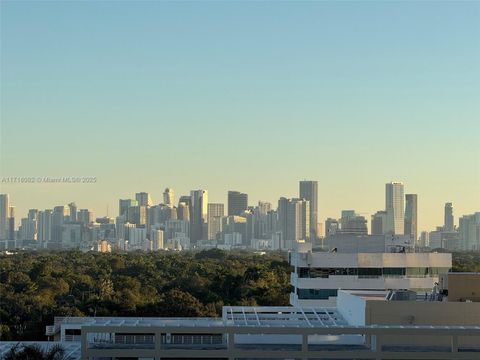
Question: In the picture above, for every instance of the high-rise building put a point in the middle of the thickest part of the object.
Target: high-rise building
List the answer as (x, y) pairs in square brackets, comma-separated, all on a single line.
[(215, 214), (157, 239), (73, 212), (198, 217), (60, 216), (294, 219), (448, 224), (234, 230), (410, 223), (331, 226), (347, 215), (356, 224), (168, 196), (423, 240), (124, 204), (143, 199), (11, 223), (44, 227), (309, 191), (137, 215), (85, 216), (237, 203), (379, 223), (394, 206), (4, 215), (183, 211), (469, 226)]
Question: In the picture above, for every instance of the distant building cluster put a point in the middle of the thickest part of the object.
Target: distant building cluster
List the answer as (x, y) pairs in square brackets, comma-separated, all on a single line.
[(193, 222)]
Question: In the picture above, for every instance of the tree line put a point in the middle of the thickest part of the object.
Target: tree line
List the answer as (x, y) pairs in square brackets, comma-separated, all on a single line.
[(36, 286)]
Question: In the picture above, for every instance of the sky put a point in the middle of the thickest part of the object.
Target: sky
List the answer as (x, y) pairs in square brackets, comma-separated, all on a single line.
[(248, 96)]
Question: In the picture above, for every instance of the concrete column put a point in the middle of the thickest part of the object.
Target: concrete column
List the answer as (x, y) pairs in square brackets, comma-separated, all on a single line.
[(305, 346), (231, 345), (84, 344), (454, 343), (158, 345), (378, 347)]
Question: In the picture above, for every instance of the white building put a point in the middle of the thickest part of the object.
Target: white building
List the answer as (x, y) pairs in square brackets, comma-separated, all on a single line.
[(137, 239), (362, 263), (470, 231), (156, 238)]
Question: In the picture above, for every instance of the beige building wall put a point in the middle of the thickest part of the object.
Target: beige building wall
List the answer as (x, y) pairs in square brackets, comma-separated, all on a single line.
[(424, 313), (461, 286)]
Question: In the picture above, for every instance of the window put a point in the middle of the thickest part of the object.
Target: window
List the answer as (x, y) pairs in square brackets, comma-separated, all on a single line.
[(319, 294)]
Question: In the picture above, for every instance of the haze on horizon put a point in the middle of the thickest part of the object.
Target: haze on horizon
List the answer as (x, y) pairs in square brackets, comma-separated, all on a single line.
[(242, 96)]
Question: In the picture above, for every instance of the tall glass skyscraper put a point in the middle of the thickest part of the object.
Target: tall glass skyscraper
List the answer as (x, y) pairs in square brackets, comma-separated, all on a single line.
[(237, 203), (198, 217), (411, 216), (309, 191), (448, 224), (394, 206)]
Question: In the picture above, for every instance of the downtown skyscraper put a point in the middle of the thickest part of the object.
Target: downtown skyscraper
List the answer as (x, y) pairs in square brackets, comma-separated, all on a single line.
[(308, 190), (237, 203), (4, 215), (448, 223), (198, 217), (410, 227), (394, 206)]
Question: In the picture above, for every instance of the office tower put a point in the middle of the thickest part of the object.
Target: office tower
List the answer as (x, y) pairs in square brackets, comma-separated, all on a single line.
[(73, 211), (332, 226), (423, 240), (237, 203), (124, 204), (469, 228), (282, 211), (379, 223), (353, 223), (176, 228), (448, 218), (4, 215), (157, 239), (137, 215), (346, 216), (60, 215), (28, 229), (294, 219), (410, 227), (199, 212), (44, 227), (260, 220), (234, 230), (72, 236), (309, 191), (215, 214), (85, 216), (168, 196), (183, 211), (11, 223), (394, 206), (143, 199), (137, 239)]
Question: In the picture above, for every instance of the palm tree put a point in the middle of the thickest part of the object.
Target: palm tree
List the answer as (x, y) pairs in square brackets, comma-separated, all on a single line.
[(35, 352)]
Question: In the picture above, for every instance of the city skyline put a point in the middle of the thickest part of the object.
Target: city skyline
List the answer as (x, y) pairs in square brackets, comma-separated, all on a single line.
[(112, 208), (249, 96)]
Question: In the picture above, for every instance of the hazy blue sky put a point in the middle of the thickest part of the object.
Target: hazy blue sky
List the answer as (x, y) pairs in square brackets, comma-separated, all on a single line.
[(244, 96)]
